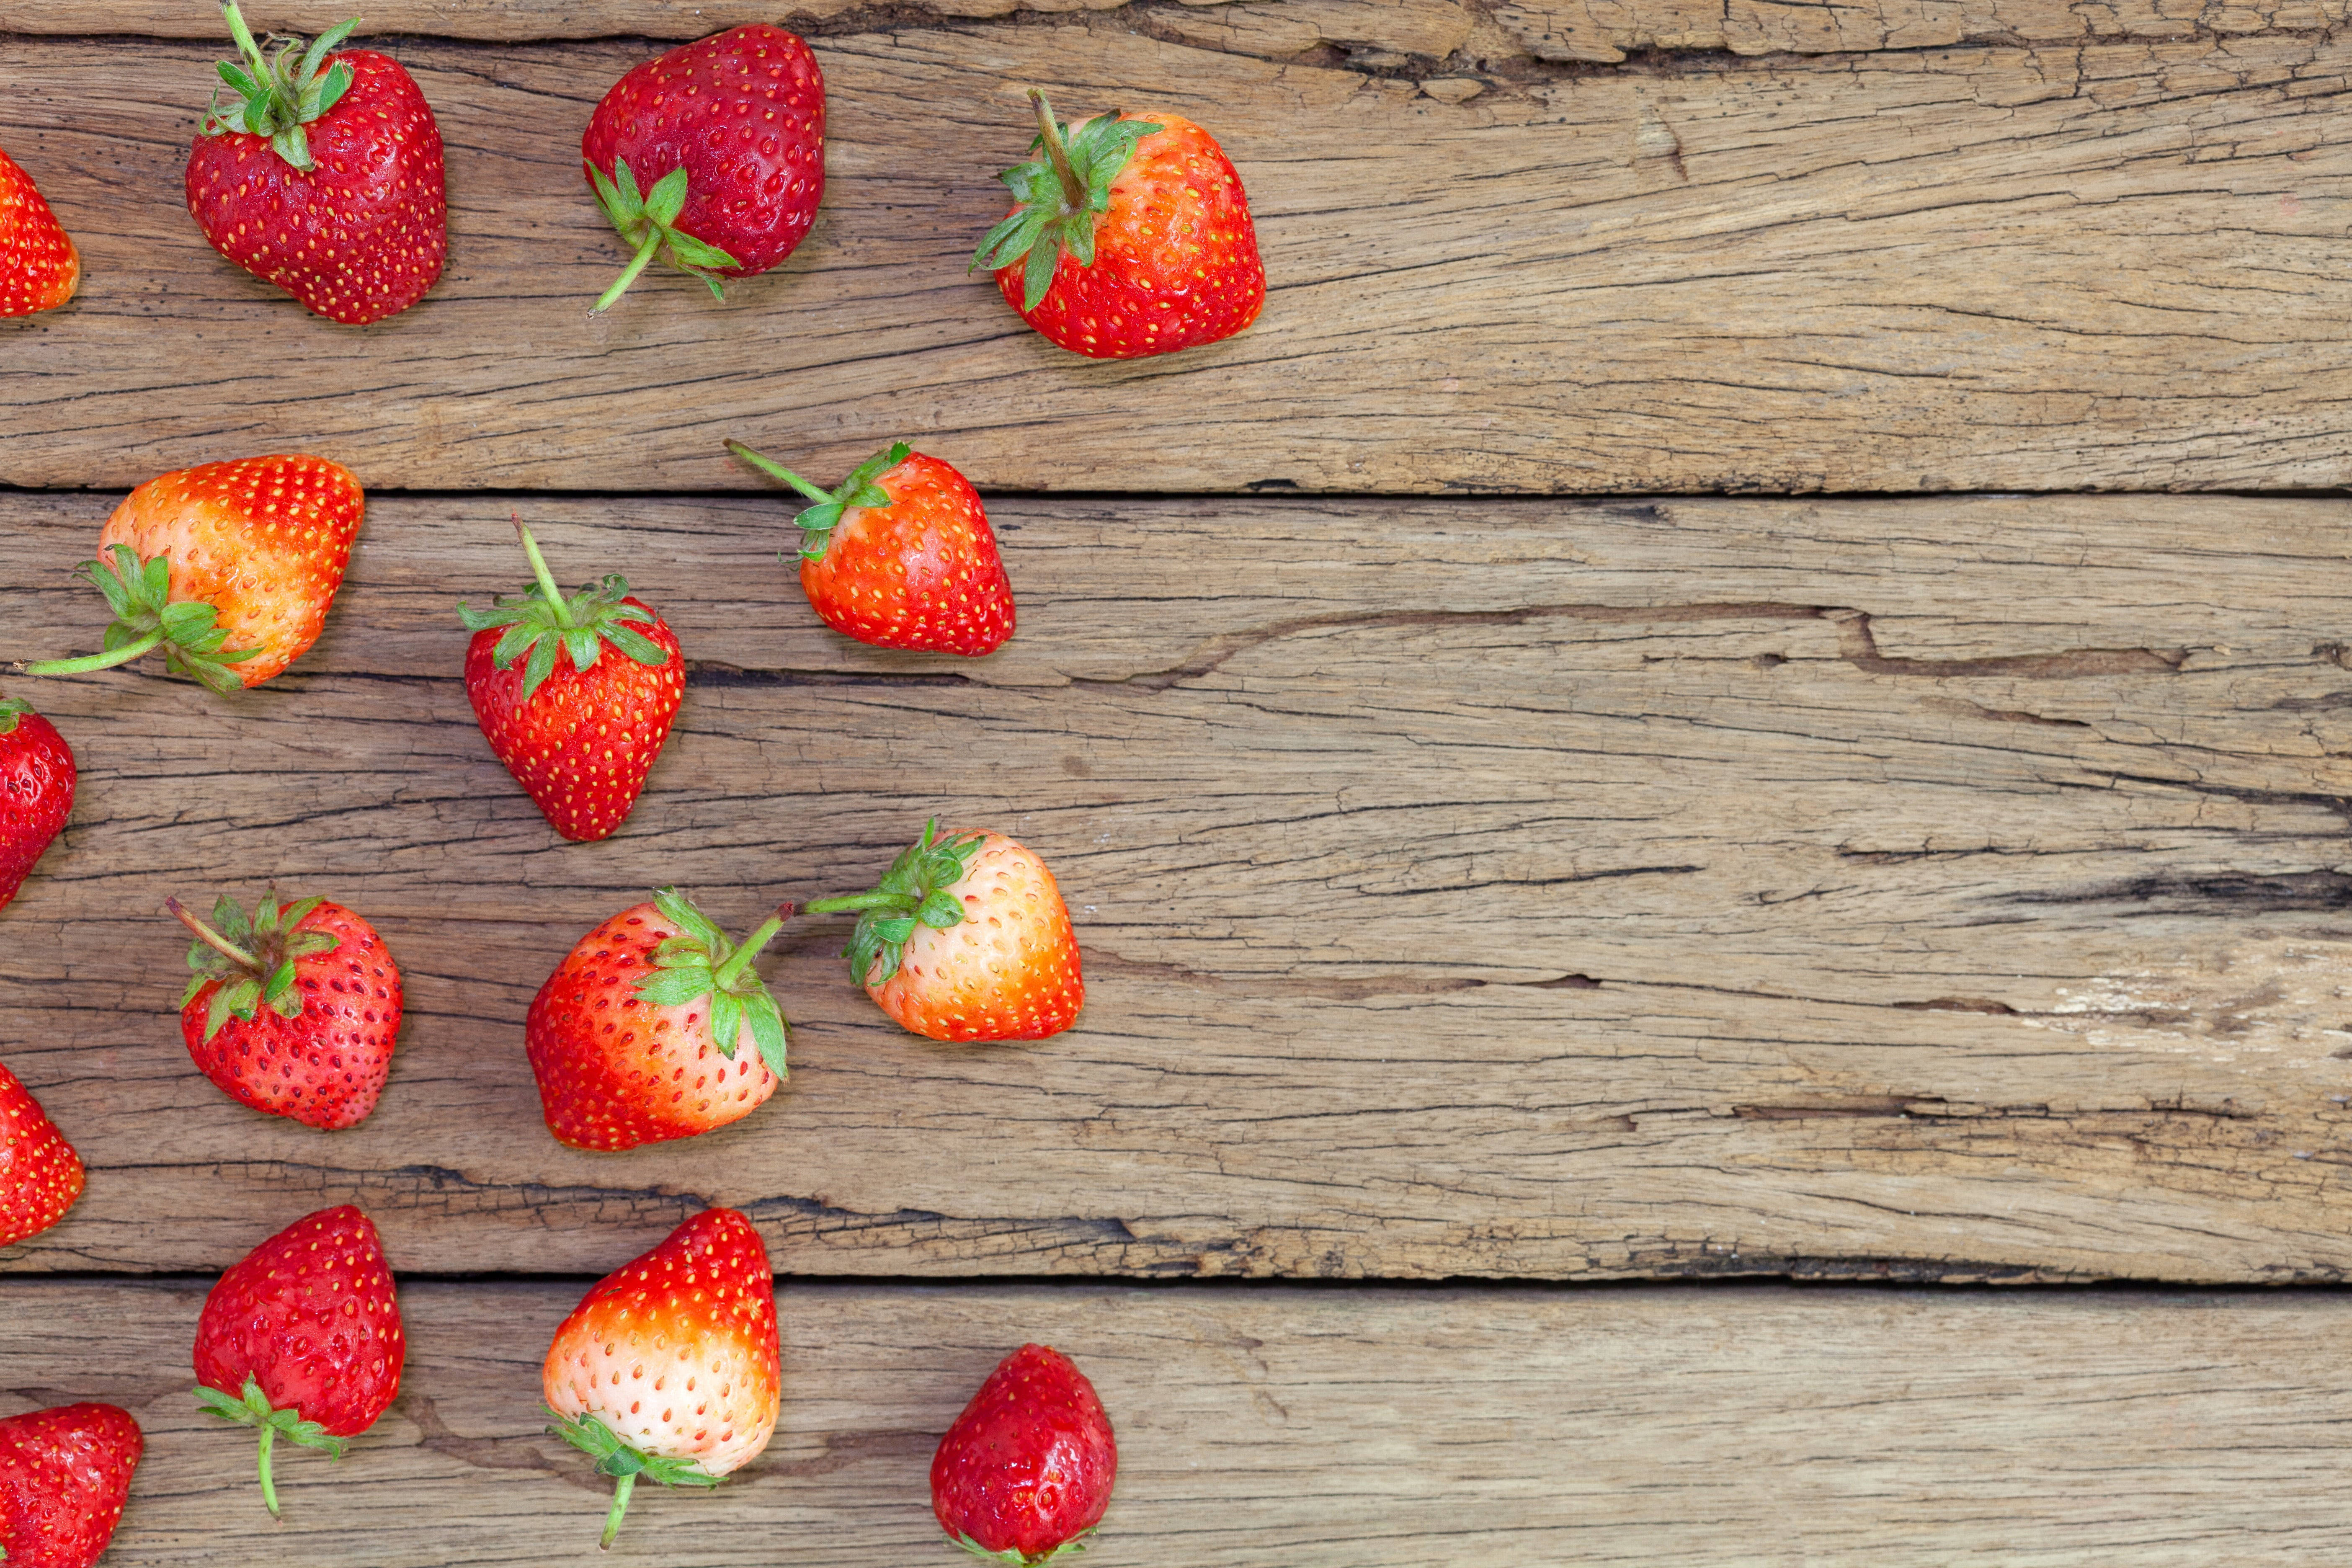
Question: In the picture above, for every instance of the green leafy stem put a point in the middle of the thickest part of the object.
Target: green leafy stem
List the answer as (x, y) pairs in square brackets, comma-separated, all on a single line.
[(616, 1458), (255, 1410), (817, 522), (252, 962), (649, 221), (543, 623), (917, 890), (140, 594), (700, 961)]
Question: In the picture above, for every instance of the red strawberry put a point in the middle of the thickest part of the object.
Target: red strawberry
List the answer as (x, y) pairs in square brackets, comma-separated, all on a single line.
[(578, 731), (902, 556), (302, 1339), (37, 791), (320, 1049), (40, 1174), (248, 553), (637, 1036), (966, 938), (668, 1369), (65, 1474), (325, 179), (39, 267), (1027, 1469), (730, 133), (1130, 236)]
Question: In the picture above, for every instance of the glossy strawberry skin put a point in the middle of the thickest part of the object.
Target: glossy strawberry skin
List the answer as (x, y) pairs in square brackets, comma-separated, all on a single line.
[(40, 1174), (743, 113), (36, 792), (581, 746), (65, 1474), (363, 234), (39, 267), (1008, 971), (1176, 261), (678, 1351), (264, 541), (615, 1071), (325, 1067), (310, 1315), (1030, 1463), (922, 572)]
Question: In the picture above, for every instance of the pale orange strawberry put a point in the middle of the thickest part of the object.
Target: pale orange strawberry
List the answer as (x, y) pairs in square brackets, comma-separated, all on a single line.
[(966, 938), (668, 1369), (228, 567)]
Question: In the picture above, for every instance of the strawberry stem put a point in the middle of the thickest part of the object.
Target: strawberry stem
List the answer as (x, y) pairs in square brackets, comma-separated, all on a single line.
[(776, 471), (554, 595), (268, 1485), (90, 662), (621, 1490), (1073, 190), (236, 954), (637, 264), (858, 903), (727, 973)]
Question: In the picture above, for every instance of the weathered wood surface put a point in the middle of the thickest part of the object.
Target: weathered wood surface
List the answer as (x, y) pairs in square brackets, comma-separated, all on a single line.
[(2025, 266), (1521, 889), (1325, 1429)]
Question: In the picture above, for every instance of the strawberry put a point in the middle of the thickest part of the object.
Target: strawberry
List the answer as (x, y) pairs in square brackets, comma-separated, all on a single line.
[(637, 1036), (40, 1174), (668, 1368), (325, 178), (250, 551), (37, 791), (1027, 1469), (579, 731), (1130, 236), (39, 267), (966, 938), (320, 1050), (902, 556), (302, 1339), (731, 131), (65, 1474)]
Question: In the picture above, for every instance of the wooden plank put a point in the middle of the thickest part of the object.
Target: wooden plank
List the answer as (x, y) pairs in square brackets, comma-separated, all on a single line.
[(1327, 1429), (1567, 889), (2022, 267)]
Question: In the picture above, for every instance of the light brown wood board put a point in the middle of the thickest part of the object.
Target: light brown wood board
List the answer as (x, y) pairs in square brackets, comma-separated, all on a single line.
[(1567, 889), (1330, 1429), (2080, 263)]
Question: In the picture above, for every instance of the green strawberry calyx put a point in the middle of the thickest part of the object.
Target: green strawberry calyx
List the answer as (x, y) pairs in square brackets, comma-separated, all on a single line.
[(700, 961), (11, 710), (543, 623), (255, 1410), (1012, 1554), (251, 961), (917, 890), (648, 221), (140, 594), (1059, 196), (624, 1464), (860, 488), (279, 95)]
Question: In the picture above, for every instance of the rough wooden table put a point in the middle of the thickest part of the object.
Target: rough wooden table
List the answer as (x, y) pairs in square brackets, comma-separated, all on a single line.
[(1610, 752)]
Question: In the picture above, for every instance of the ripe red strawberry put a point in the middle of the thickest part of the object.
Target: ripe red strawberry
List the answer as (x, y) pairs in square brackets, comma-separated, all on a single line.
[(668, 1369), (40, 1174), (293, 1012), (1130, 236), (715, 150), (966, 938), (223, 563), (37, 791), (578, 731), (902, 556), (637, 1036), (65, 1474), (39, 267), (325, 178), (302, 1339), (1027, 1469)]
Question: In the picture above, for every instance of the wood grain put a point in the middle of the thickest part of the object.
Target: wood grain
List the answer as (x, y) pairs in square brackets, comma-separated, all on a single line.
[(1541, 889), (2029, 267), (1327, 1429)]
